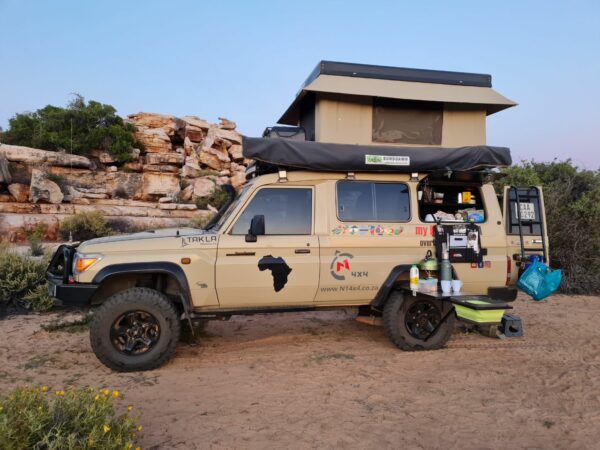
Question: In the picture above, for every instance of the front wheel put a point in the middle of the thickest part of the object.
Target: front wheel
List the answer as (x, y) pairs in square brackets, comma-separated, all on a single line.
[(409, 321), (136, 329)]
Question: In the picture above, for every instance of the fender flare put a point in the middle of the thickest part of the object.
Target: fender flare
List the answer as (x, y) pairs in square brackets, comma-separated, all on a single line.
[(388, 285), (159, 267)]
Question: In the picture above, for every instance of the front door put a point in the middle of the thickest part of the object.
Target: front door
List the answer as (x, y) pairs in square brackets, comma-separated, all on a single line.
[(282, 267)]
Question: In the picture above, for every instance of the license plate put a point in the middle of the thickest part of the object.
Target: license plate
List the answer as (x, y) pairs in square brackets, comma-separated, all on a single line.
[(527, 211)]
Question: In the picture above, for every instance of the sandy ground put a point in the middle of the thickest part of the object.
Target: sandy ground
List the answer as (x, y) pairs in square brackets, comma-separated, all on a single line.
[(322, 380)]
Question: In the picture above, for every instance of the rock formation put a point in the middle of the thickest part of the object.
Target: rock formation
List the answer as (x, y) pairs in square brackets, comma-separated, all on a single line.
[(182, 159)]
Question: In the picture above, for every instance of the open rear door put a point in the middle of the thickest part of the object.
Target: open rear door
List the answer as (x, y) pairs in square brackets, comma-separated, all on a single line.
[(525, 220)]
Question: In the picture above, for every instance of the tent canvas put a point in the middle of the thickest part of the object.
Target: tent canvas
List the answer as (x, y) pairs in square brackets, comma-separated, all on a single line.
[(321, 156)]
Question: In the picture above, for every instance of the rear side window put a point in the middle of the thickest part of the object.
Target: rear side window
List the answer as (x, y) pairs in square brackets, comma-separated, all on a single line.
[(367, 201), (286, 211)]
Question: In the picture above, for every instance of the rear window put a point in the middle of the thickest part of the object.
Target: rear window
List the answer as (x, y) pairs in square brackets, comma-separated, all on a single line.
[(367, 201)]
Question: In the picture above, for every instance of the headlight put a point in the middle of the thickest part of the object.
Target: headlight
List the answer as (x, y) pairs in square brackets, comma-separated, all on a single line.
[(82, 262)]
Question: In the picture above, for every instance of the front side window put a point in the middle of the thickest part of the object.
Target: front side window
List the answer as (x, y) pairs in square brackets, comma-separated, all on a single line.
[(286, 211), (367, 201)]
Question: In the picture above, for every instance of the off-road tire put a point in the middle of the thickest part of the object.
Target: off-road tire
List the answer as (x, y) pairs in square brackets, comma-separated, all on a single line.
[(135, 299), (394, 314)]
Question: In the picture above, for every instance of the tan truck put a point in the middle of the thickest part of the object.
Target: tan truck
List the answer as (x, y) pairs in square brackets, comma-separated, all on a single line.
[(301, 236)]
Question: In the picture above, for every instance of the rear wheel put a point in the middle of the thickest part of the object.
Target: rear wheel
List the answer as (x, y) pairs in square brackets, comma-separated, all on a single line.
[(136, 329), (409, 321)]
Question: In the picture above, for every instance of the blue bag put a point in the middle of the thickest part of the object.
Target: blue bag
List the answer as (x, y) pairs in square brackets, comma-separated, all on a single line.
[(539, 281)]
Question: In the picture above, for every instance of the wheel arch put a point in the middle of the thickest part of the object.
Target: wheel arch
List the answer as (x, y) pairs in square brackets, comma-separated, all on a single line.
[(126, 273), (387, 287)]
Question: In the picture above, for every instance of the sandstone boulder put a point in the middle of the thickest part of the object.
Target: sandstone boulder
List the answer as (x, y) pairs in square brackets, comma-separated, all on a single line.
[(43, 189), (226, 124), (136, 166), (34, 156), (215, 159), (6, 198), (155, 140), (203, 187), (235, 151), (156, 121), (230, 135), (164, 158), (238, 180), (184, 207), (159, 184), (188, 146), (19, 191), (186, 193), (196, 122), (194, 133), (4, 172), (162, 168), (102, 156)]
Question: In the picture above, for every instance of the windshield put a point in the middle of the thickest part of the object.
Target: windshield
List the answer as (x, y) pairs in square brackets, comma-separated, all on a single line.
[(217, 226)]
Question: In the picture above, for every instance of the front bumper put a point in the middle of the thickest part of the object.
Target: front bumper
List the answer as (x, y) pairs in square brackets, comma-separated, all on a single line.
[(61, 285), (73, 294)]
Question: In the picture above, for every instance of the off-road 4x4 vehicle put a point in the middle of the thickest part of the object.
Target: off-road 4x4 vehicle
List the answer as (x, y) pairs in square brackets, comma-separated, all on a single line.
[(317, 226)]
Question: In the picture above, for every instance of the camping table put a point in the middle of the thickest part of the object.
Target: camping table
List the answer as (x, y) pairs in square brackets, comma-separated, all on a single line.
[(461, 299)]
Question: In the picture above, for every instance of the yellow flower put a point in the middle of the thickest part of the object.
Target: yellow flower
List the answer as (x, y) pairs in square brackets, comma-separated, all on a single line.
[(106, 392), (130, 445), (97, 397), (129, 408), (44, 388), (106, 428), (60, 393), (115, 394), (140, 428), (137, 448)]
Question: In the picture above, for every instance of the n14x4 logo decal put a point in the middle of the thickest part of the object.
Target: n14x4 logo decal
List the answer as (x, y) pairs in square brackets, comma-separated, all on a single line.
[(340, 266)]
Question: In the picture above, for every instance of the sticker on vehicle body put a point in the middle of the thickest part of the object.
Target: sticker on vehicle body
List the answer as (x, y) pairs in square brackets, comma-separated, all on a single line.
[(366, 230), (388, 160), (340, 266), (189, 240), (279, 270)]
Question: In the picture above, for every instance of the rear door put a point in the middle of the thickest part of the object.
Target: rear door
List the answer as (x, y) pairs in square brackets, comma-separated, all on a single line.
[(530, 238)]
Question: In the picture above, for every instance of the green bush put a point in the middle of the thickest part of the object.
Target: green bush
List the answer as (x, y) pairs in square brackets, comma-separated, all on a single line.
[(80, 128), (22, 280), (572, 203), (34, 237), (35, 418), (83, 226), (217, 198)]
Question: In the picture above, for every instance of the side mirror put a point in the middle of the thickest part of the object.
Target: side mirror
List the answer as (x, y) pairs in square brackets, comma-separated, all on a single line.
[(257, 228)]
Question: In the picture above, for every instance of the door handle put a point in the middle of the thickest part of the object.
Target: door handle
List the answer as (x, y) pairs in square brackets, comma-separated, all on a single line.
[(241, 254), (302, 250)]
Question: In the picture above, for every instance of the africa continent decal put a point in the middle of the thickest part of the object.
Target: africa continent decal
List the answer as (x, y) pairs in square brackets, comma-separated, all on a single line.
[(279, 270)]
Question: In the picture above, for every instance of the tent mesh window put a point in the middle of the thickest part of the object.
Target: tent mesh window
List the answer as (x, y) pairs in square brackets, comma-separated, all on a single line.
[(407, 122)]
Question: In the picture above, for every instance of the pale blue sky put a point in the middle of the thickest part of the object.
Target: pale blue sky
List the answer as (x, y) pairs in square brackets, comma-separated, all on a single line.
[(246, 59)]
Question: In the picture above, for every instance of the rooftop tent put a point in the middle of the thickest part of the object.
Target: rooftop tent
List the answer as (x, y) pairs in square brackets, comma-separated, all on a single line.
[(365, 80), (321, 156)]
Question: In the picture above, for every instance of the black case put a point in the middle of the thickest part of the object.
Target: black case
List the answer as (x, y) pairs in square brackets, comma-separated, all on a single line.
[(461, 254)]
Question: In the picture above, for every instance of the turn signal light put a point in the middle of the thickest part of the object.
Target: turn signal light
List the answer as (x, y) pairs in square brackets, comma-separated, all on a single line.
[(83, 262)]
